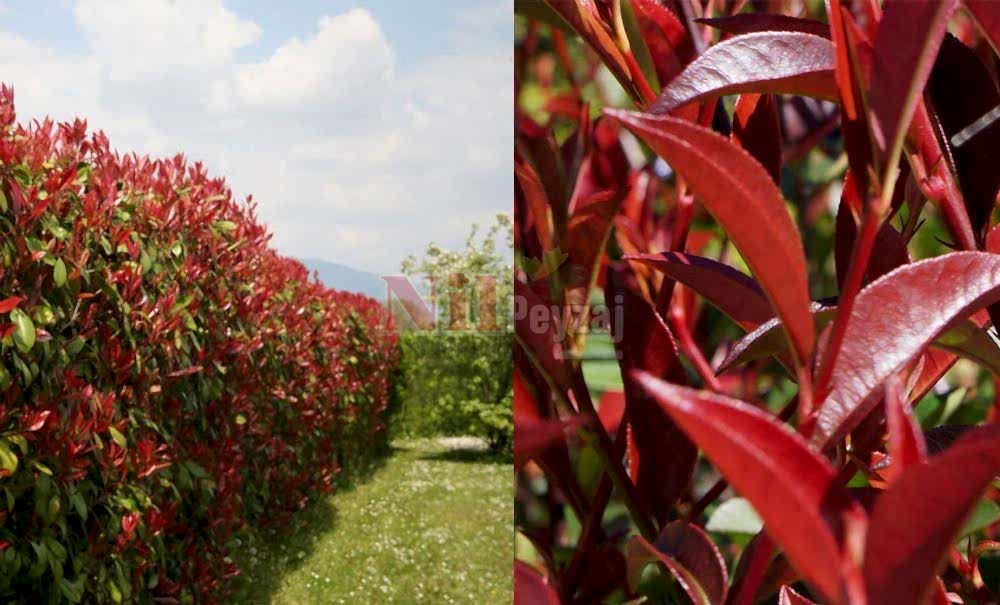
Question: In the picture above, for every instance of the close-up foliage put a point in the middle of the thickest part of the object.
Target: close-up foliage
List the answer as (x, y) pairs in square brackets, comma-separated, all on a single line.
[(757, 277), (167, 379)]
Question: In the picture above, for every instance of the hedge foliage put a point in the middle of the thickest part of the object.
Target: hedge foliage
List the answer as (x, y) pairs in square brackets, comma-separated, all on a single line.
[(458, 383), (167, 378)]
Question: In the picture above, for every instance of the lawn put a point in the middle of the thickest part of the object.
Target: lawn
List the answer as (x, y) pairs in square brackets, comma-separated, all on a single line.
[(431, 524)]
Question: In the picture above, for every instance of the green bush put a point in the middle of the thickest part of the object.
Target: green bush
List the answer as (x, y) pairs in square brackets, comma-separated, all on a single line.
[(457, 383)]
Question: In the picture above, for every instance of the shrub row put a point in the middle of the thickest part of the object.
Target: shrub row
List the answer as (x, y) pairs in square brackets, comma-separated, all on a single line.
[(167, 378), (457, 383)]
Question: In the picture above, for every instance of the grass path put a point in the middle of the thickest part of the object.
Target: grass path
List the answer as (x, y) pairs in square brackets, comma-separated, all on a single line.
[(431, 525)]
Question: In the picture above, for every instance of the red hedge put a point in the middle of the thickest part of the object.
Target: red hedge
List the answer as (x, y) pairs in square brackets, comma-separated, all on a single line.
[(167, 378)]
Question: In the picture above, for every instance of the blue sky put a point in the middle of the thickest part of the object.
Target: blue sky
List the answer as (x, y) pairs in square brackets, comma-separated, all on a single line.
[(363, 128)]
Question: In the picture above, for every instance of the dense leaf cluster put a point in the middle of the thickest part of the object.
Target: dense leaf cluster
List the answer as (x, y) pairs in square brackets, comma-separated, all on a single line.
[(167, 378), (839, 211), (457, 383)]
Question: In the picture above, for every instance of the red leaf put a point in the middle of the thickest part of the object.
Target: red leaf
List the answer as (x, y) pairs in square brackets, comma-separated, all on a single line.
[(768, 340), (907, 41), (906, 441), (732, 292), (915, 302), (536, 331), (756, 129), (129, 523), (35, 420), (743, 198), (9, 304), (965, 339), (787, 596), (530, 588), (747, 23), (915, 521), (661, 458), (987, 13), (583, 17), (185, 372), (764, 62), (588, 229), (538, 202), (689, 554), (793, 488), (611, 410), (668, 41), (533, 434)]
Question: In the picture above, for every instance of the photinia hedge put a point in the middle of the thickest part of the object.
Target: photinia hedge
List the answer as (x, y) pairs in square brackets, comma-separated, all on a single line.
[(789, 207), (166, 378)]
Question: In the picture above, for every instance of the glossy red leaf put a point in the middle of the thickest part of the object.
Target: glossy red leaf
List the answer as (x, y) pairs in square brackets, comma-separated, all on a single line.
[(907, 41), (732, 292), (747, 23), (689, 555), (787, 596), (793, 488), (661, 457), (535, 329), (533, 433), (768, 340), (906, 440), (666, 38), (530, 588), (611, 410), (915, 520), (763, 62), (925, 297), (740, 194), (588, 229), (756, 129), (964, 339), (584, 18), (987, 14), (537, 202), (10, 303)]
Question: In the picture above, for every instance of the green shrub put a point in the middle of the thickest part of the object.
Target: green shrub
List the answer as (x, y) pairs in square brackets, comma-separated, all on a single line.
[(457, 383)]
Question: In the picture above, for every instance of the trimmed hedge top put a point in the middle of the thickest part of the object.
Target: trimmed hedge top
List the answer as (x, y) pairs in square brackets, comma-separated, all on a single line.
[(166, 378)]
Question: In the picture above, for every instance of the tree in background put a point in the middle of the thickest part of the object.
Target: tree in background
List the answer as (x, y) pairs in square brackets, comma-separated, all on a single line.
[(458, 375)]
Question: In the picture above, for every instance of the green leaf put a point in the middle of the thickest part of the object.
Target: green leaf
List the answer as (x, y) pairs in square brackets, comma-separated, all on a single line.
[(24, 332), (41, 467), (735, 516), (118, 437), (75, 346), (8, 460), (241, 419), (20, 442), (79, 504), (225, 226), (985, 514), (59, 273)]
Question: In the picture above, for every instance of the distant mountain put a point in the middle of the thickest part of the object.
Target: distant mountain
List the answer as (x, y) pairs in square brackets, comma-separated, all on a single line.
[(340, 277)]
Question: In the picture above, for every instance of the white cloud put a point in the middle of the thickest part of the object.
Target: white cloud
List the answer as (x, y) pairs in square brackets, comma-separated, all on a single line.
[(347, 58), (150, 39), (349, 158)]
